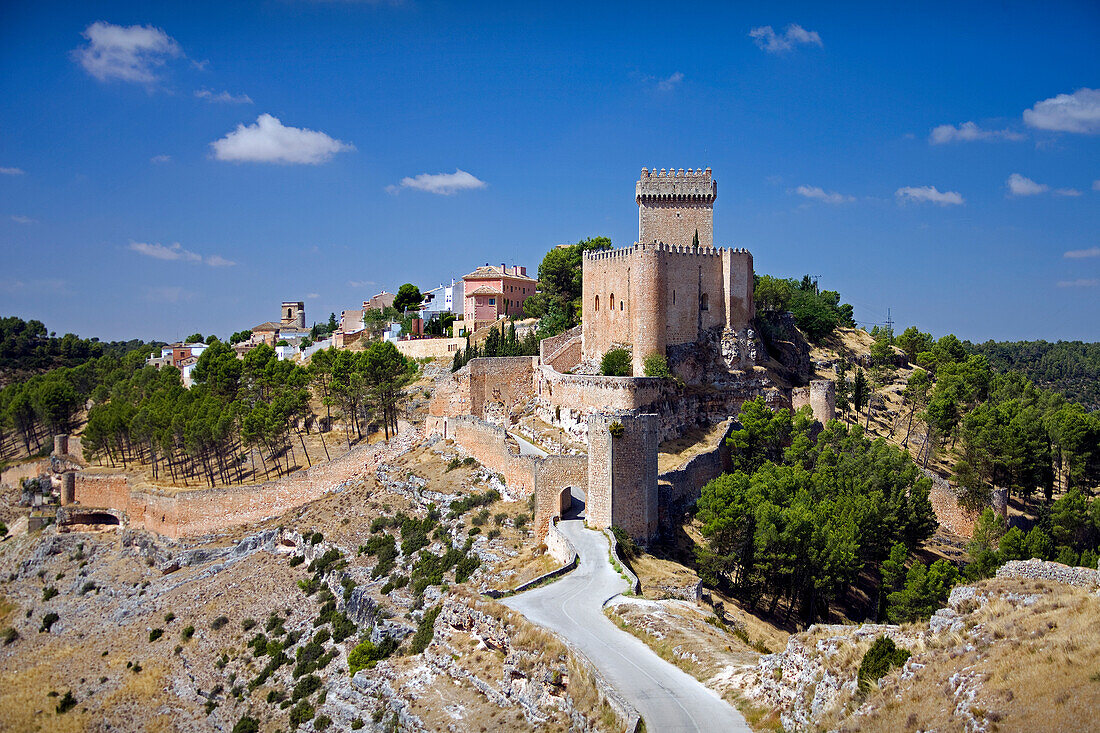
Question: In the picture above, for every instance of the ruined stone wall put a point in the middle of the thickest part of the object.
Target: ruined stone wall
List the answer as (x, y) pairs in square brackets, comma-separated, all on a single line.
[(485, 385), (440, 348), (545, 476), (190, 513), (820, 395), (740, 302), (678, 489), (562, 352), (622, 474)]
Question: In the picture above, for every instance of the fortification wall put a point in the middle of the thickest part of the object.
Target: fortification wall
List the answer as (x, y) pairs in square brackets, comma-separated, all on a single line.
[(190, 513), (672, 207), (452, 394), (544, 476), (486, 385), (679, 488), (690, 275), (442, 348)]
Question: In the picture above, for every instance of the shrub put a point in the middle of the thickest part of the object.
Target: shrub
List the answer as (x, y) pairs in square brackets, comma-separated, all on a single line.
[(475, 531), (302, 713), (321, 722), (187, 633), (367, 654), (520, 521), (316, 538), (155, 634), (248, 624), (169, 617), (615, 363), (493, 534), (48, 592), (275, 696), (48, 621), (499, 517), (3, 529), (466, 567), (67, 703), (357, 724), (306, 687), (454, 463), (628, 548), (297, 560), (656, 365), (247, 724), (9, 635), (480, 518), (87, 588), (883, 656), (219, 623), (425, 631)]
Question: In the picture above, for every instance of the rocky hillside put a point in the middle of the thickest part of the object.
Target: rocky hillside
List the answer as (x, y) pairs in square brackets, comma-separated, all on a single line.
[(1018, 652), (358, 611)]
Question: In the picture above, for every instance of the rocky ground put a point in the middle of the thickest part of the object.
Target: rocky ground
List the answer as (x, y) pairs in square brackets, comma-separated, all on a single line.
[(124, 630)]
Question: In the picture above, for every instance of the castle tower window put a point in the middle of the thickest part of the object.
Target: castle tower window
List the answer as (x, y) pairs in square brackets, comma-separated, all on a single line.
[(620, 305), (597, 302), (674, 297), (611, 302), (704, 302)]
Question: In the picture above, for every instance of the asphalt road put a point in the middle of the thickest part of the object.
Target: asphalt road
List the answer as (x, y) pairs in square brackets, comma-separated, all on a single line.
[(666, 697)]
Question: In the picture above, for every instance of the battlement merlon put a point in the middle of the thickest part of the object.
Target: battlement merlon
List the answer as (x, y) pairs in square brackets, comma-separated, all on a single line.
[(676, 185)]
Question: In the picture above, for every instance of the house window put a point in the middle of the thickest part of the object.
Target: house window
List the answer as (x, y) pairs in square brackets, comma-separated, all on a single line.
[(492, 301), (704, 302)]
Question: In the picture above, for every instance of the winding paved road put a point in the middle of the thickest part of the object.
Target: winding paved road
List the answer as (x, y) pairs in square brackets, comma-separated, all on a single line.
[(666, 697)]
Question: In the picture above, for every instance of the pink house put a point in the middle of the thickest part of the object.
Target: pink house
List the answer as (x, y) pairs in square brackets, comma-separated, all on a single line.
[(493, 292)]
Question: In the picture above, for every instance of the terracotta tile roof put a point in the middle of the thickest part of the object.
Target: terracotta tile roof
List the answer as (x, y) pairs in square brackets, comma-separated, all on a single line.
[(484, 290), (487, 271)]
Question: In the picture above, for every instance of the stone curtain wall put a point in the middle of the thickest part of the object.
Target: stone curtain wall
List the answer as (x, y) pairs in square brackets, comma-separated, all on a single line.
[(562, 352), (544, 476), (608, 277), (452, 394), (440, 348), (506, 380), (202, 511), (679, 488)]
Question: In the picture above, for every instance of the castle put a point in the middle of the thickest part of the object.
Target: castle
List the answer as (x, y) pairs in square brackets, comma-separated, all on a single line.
[(667, 289), (672, 293)]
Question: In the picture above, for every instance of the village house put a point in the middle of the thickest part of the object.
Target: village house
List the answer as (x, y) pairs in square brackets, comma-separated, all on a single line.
[(491, 293), (290, 328), (175, 354)]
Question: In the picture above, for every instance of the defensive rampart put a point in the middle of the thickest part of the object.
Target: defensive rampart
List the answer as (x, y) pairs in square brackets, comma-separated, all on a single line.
[(190, 513), (679, 488), (544, 476)]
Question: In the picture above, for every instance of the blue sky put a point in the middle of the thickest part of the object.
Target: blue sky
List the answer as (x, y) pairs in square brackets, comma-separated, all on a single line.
[(168, 168)]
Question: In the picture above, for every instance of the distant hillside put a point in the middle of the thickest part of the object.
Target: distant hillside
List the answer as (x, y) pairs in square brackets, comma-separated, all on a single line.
[(27, 348), (1070, 367)]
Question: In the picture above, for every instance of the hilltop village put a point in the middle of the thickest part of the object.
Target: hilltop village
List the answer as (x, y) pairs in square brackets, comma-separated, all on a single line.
[(441, 509)]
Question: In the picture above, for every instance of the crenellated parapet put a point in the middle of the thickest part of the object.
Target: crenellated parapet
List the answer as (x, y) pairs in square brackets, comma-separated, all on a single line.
[(695, 186)]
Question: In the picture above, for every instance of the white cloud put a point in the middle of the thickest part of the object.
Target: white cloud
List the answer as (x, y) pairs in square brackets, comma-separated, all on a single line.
[(161, 159), (1022, 186), (444, 184), (819, 194), (225, 97), (270, 141), (667, 85), (1081, 282), (1067, 192), (968, 132), (929, 194), (361, 283), (219, 261), (772, 42), (129, 53), (1077, 112), (19, 219), (313, 296), (1077, 254), (12, 171), (176, 252)]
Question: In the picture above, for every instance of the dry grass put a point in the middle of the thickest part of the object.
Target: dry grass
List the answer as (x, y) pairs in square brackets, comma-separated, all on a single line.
[(675, 453), (1035, 667)]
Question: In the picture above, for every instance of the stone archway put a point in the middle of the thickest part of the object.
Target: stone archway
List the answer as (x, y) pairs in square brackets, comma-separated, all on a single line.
[(571, 503)]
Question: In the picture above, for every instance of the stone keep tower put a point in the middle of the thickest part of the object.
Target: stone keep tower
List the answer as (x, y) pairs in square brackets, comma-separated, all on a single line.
[(672, 206), (294, 314)]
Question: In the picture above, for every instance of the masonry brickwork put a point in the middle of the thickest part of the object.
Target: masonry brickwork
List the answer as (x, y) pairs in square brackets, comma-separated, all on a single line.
[(191, 513), (820, 395), (673, 206), (622, 474)]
